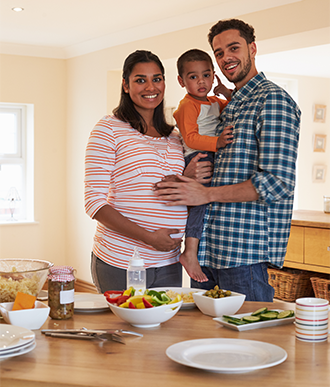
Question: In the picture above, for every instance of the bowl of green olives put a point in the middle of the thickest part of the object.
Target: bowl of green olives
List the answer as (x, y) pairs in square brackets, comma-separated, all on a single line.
[(217, 302)]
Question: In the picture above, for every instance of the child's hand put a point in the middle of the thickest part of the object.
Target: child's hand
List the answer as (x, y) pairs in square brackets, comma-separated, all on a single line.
[(220, 88), (226, 137)]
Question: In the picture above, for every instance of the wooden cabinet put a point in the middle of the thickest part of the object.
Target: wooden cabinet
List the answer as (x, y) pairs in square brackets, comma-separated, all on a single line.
[(309, 242)]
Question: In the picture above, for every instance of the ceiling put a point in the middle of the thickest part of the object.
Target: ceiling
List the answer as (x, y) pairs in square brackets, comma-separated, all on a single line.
[(68, 28)]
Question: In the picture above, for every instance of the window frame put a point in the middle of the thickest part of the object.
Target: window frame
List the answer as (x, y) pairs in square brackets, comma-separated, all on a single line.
[(23, 157)]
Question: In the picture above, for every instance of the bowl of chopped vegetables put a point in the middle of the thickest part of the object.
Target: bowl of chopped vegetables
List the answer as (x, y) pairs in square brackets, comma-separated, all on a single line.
[(32, 318), (146, 310), (21, 275), (218, 302)]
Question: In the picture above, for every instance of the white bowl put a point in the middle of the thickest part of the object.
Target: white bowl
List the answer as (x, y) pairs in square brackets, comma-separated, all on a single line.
[(149, 317), (217, 307), (25, 318)]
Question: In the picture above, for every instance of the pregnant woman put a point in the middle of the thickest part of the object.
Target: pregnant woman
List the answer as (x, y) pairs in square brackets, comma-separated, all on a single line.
[(127, 153)]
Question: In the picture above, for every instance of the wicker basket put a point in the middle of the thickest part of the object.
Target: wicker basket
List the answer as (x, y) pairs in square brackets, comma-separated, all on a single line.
[(290, 284), (321, 287)]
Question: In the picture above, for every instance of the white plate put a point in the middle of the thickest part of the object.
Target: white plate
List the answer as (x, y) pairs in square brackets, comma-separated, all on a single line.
[(19, 351), (256, 325), (3, 352), (12, 337), (185, 305), (226, 355), (90, 302)]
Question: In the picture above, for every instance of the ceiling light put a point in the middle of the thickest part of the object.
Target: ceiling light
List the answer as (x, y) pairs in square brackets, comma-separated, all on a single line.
[(18, 9)]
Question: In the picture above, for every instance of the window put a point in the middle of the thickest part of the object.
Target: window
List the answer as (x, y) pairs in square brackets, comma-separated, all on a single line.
[(16, 163)]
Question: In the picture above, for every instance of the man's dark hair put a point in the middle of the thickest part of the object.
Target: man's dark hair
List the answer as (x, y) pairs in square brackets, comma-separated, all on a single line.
[(126, 111), (192, 56), (245, 30)]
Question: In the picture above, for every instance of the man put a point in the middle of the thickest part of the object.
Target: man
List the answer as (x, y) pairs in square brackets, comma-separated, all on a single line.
[(247, 223)]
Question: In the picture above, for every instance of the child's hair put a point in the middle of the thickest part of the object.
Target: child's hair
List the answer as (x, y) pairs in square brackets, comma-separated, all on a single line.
[(245, 30), (192, 56)]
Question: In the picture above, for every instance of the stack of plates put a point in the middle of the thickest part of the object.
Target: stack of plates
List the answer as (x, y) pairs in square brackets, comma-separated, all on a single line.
[(15, 341)]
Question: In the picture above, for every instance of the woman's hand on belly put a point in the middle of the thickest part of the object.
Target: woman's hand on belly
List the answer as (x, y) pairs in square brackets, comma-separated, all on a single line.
[(162, 241)]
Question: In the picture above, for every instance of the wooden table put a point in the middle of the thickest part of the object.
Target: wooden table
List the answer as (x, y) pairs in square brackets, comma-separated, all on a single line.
[(142, 362)]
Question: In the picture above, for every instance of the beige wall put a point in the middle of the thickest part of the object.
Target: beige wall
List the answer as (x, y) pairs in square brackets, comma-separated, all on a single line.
[(84, 88), (41, 82)]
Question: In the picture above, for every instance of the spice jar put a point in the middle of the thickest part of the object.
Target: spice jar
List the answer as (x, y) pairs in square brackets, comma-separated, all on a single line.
[(326, 204), (61, 292)]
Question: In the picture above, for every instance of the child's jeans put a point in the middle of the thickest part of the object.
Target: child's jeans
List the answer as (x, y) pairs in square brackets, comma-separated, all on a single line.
[(195, 220)]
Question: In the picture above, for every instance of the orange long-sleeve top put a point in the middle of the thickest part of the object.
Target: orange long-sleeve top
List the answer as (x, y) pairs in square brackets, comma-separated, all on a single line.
[(197, 122)]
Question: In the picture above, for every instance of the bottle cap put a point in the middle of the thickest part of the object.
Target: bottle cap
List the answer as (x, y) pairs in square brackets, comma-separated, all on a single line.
[(136, 260)]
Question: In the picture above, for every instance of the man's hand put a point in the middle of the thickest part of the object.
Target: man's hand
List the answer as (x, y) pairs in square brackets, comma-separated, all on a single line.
[(199, 170), (188, 192)]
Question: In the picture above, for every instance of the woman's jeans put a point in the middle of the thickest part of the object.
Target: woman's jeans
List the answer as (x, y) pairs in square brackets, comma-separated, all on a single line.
[(107, 277)]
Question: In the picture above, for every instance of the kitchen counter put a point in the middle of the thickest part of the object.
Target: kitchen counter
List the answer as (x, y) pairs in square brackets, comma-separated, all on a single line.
[(308, 218), (142, 362), (309, 242)]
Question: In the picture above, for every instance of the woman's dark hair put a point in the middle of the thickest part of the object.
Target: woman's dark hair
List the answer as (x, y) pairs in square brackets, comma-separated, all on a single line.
[(192, 56), (245, 30), (126, 111)]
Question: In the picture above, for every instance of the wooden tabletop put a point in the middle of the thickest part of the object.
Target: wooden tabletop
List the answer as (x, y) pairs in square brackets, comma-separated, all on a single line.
[(142, 362)]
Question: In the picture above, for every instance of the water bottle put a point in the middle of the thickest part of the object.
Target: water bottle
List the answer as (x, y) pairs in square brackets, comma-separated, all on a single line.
[(136, 273)]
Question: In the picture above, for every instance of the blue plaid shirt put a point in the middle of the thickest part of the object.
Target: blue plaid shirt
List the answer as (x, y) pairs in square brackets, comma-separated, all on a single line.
[(266, 132)]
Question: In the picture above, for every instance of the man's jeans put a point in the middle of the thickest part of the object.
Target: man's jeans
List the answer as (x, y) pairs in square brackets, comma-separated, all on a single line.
[(251, 280)]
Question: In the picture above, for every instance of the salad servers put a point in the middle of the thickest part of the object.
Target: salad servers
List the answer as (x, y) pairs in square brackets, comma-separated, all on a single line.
[(90, 334)]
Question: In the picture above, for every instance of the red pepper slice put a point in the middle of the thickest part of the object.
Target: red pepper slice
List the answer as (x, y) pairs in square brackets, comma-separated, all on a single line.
[(112, 296), (122, 299), (146, 303), (131, 306)]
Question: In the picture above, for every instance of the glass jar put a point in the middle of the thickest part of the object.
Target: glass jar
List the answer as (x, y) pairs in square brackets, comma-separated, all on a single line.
[(326, 204), (61, 292)]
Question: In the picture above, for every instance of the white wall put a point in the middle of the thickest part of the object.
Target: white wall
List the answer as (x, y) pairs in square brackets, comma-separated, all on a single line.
[(71, 96)]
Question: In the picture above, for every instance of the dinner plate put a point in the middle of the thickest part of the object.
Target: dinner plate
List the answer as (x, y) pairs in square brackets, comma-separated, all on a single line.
[(19, 351), (226, 355), (12, 337), (255, 325), (185, 305), (90, 303)]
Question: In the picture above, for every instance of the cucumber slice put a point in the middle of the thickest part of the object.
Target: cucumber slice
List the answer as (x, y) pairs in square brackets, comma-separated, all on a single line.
[(236, 322), (232, 318), (268, 316), (251, 319), (259, 311), (284, 314)]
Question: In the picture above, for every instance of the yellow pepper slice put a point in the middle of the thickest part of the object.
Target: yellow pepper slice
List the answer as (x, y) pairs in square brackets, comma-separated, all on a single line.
[(176, 299), (128, 292), (137, 299), (140, 305)]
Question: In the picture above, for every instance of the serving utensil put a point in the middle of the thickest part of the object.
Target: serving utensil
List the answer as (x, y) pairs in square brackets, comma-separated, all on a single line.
[(90, 334)]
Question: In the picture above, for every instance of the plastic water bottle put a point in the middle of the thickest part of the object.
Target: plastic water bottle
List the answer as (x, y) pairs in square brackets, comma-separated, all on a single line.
[(136, 273)]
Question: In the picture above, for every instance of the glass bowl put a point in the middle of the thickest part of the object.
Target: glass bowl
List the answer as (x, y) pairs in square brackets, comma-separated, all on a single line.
[(21, 275)]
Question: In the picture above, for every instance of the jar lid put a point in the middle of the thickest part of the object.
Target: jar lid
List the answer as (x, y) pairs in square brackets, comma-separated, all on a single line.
[(61, 273)]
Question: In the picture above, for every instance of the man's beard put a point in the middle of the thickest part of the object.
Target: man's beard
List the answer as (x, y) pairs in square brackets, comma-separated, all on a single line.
[(243, 73)]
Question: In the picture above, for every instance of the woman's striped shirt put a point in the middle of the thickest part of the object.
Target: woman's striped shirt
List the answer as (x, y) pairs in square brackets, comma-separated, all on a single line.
[(121, 167)]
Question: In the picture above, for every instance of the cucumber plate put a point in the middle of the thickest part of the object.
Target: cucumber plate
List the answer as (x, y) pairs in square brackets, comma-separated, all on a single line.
[(252, 322)]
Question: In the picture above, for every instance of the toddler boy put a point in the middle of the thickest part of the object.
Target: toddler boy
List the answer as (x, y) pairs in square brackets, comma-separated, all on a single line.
[(197, 118)]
